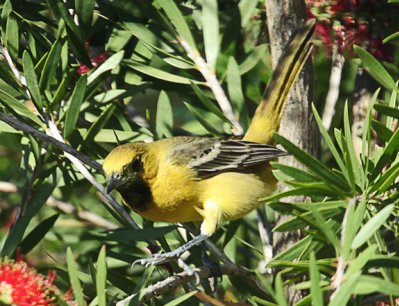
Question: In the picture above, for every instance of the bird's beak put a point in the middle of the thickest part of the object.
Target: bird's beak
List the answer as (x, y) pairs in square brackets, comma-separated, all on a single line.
[(113, 182)]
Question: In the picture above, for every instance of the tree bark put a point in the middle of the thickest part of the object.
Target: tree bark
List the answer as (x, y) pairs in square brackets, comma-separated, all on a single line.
[(298, 124)]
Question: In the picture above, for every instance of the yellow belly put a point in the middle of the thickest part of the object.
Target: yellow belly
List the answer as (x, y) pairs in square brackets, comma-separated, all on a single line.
[(235, 194)]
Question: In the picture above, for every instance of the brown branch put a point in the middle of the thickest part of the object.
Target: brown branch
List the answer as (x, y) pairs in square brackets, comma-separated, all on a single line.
[(18, 125), (182, 278), (214, 85)]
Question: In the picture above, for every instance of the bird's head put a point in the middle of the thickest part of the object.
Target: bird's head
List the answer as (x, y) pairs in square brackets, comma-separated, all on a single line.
[(124, 165)]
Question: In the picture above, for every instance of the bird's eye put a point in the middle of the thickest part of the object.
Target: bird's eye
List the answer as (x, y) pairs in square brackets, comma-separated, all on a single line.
[(136, 165)]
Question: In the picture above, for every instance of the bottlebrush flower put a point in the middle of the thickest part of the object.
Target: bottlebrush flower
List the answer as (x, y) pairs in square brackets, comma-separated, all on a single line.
[(343, 23), (22, 286), (95, 62)]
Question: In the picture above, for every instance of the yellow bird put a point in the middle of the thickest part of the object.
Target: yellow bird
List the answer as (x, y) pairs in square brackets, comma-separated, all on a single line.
[(182, 179)]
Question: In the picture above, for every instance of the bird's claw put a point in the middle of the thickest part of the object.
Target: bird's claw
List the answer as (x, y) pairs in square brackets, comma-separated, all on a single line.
[(154, 260)]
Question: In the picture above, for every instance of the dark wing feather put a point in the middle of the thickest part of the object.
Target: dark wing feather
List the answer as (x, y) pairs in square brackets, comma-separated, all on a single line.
[(210, 156)]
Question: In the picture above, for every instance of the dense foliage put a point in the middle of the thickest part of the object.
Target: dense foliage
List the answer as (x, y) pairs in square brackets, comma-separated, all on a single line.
[(94, 74)]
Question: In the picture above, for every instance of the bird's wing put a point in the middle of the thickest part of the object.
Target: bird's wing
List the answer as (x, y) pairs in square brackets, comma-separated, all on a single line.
[(209, 156)]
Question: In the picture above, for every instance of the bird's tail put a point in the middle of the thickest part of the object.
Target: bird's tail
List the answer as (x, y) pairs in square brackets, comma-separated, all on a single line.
[(269, 112)]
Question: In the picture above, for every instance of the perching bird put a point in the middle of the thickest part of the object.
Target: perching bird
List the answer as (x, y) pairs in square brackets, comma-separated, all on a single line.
[(181, 179)]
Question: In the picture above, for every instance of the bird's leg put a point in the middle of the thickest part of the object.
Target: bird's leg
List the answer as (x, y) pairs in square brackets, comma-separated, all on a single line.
[(164, 257), (212, 216)]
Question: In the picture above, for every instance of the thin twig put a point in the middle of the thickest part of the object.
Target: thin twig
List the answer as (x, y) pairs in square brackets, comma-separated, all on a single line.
[(333, 89), (53, 131), (213, 84), (67, 208), (18, 125), (180, 279)]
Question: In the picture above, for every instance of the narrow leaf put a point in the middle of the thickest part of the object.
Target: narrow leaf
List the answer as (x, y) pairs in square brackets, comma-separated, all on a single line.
[(375, 69), (164, 116), (315, 289), (372, 226), (161, 74), (18, 107), (109, 64), (182, 298), (74, 279), (101, 277), (210, 29), (318, 168), (84, 10), (253, 58), (73, 111), (178, 21), (37, 234), (31, 79)]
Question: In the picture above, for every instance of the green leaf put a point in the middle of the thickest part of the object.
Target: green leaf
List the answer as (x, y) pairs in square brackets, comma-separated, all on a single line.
[(375, 69), (234, 88), (161, 74), (31, 79), (253, 58), (315, 289), (18, 107), (371, 284), (146, 36), (389, 150), (383, 132), (344, 292), (50, 65), (372, 226), (199, 115), (73, 111), (208, 103), (41, 191), (75, 37), (350, 150), (74, 279), (295, 250), (113, 136), (37, 234), (324, 226), (164, 116), (280, 292), (177, 19), (318, 168), (247, 10), (387, 110), (328, 141), (294, 173), (181, 298), (366, 137), (210, 30), (109, 64), (109, 95), (361, 260), (394, 35), (126, 235), (97, 126), (348, 229), (387, 180), (84, 10), (101, 277), (12, 36)]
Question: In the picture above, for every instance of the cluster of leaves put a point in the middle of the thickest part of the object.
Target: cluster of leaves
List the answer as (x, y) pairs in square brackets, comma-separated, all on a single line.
[(350, 219), (137, 94), (144, 78)]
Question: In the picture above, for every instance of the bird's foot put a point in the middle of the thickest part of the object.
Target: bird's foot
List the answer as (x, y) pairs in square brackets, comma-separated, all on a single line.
[(162, 258), (156, 259)]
